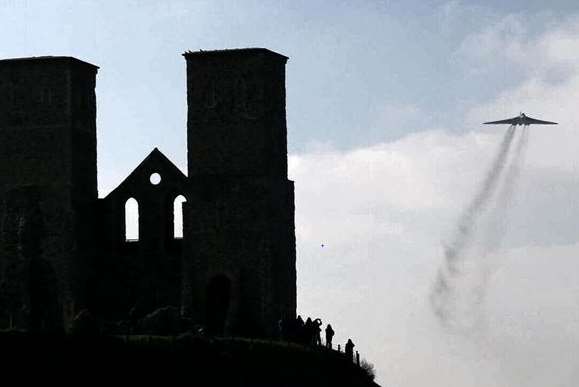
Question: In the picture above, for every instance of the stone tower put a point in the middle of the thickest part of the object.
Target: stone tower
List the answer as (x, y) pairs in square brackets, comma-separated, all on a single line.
[(48, 186), (239, 255)]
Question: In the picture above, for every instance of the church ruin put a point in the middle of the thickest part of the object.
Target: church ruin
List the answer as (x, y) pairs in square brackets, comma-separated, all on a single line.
[(64, 250)]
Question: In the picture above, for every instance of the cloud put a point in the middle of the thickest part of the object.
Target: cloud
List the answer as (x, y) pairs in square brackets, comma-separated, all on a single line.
[(503, 40), (512, 44), (383, 211), (401, 118)]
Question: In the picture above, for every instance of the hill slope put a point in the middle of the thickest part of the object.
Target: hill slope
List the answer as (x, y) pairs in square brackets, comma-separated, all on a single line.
[(196, 360)]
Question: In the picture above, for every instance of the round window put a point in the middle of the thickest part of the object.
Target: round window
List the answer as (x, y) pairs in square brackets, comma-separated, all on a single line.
[(155, 178)]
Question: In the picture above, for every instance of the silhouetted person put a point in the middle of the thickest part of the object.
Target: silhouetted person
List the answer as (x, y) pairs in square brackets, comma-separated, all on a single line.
[(350, 350), (298, 329), (308, 337), (329, 335), (317, 330), (300, 322)]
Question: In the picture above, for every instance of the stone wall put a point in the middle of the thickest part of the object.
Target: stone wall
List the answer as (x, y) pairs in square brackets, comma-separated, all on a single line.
[(143, 273), (41, 146)]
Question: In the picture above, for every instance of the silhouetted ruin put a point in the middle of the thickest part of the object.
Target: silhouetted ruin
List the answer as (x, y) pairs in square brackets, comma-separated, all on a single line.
[(65, 261)]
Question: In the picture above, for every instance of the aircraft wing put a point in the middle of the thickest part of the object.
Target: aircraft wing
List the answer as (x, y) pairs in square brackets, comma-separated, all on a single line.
[(510, 121), (529, 120)]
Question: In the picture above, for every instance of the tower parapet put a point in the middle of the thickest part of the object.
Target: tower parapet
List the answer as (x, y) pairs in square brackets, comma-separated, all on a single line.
[(236, 121)]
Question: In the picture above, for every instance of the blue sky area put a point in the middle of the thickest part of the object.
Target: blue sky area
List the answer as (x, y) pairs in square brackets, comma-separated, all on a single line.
[(360, 72)]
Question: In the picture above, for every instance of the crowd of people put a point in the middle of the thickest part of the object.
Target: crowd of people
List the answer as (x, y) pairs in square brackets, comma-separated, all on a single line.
[(305, 332), (309, 332)]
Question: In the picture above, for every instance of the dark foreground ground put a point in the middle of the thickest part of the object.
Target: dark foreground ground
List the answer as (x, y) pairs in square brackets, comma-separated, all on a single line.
[(186, 360)]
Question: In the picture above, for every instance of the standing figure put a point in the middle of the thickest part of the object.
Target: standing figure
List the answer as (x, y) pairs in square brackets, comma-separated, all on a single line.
[(298, 330), (308, 337), (329, 335), (317, 330), (350, 350)]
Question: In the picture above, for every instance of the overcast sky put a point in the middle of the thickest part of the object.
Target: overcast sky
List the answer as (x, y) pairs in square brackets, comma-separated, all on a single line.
[(385, 101)]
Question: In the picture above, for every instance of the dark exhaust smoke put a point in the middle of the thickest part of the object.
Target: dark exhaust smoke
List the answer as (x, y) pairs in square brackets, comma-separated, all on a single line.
[(496, 225), (460, 285)]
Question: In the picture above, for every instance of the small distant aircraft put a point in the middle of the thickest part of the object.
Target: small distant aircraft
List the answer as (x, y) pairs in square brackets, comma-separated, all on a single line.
[(521, 119)]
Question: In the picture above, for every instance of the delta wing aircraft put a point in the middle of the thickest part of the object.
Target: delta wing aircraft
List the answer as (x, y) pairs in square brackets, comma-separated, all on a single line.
[(521, 119)]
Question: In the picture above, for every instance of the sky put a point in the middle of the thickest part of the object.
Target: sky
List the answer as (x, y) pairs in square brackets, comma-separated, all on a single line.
[(384, 108)]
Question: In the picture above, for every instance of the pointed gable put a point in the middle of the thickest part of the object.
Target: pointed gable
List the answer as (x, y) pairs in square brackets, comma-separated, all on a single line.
[(138, 182)]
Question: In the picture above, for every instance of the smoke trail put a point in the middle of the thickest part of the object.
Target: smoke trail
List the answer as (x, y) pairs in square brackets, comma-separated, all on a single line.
[(469, 217), (496, 224), (445, 297)]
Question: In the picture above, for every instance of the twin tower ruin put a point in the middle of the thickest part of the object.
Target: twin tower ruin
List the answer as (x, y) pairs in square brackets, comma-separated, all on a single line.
[(63, 250)]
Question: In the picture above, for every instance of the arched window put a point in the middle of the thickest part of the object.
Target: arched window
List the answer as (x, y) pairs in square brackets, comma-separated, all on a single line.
[(131, 220), (178, 216)]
